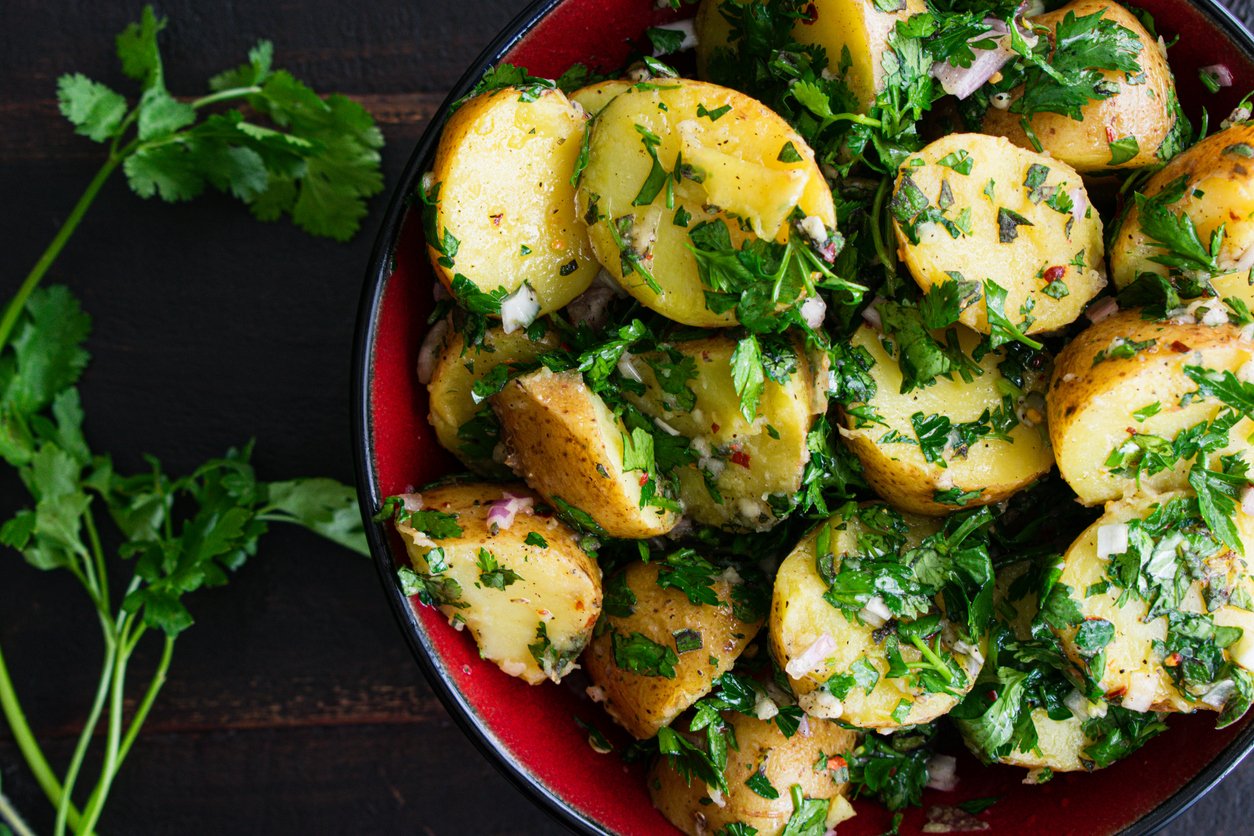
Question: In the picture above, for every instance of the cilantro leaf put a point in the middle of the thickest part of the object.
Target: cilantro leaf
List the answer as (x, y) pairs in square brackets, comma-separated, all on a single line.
[(95, 110)]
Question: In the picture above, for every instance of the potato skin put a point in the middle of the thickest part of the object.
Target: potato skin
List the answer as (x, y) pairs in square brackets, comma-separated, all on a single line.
[(504, 166), (595, 97), (785, 761), (1054, 246), (1131, 653), (1219, 189), (1091, 403), (899, 472), (748, 465), (559, 585), (1144, 110), (562, 439), (800, 617), (737, 157), (456, 371), (643, 704), (835, 25)]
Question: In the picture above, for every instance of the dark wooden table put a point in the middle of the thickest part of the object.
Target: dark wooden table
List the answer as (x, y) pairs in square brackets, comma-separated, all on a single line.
[(293, 705)]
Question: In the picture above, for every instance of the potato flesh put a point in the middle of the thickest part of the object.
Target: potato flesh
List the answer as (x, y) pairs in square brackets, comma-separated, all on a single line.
[(1091, 405), (738, 154), (563, 440), (1054, 246), (504, 166), (560, 586), (595, 97), (899, 472), (1141, 110), (1219, 190), (784, 761), (456, 371), (1131, 653), (800, 617), (751, 465), (643, 704)]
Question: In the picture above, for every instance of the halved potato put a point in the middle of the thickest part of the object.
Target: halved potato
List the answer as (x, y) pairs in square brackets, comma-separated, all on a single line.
[(974, 208), (814, 641), (595, 97), (453, 404), (1142, 109), (814, 764), (1123, 379), (854, 34), (505, 214), (700, 642), (1215, 183), (740, 164), (747, 463), (530, 607), (985, 472), (1135, 669), (563, 440)]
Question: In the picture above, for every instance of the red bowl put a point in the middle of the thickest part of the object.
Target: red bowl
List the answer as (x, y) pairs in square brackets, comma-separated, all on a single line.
[(529, 732)]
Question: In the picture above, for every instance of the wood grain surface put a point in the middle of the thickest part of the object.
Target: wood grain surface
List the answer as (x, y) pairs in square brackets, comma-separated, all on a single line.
[(293, 705)]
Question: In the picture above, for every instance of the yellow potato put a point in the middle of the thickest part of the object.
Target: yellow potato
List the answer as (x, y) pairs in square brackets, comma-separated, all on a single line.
[(747, 463), (733, 166), (813, 641), (1144, 106), (1041, 242), (701, 641), (987, 471), (1216, 186), (503, 168), (1136, 673), (1100, 404), (563, 440), (854, 33), (595, 97), (452, 403), (530, 608), (814, 764)]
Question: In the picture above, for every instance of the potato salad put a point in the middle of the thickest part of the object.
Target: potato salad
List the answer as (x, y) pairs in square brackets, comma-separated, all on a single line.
[(842, 369)]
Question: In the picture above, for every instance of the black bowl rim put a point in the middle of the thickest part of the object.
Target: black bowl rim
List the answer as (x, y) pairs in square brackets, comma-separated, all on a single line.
[(377, 274)]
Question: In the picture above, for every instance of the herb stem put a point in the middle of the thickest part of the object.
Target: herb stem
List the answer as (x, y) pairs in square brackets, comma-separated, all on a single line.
[(89, 729), (26, 743), (937, 663), (225, 95), (113, 735), (154, 688), (877, 226), (18, 303), (102, 572), (8, 814)]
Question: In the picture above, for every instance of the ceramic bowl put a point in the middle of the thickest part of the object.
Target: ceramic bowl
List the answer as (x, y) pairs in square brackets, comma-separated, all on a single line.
[(530, 732)]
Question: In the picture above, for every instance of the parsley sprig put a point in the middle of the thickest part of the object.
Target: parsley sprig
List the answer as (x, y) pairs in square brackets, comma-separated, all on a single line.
[(316, 160)]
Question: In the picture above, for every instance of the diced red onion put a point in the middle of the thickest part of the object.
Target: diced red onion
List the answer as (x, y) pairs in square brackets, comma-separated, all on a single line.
[(716, 795), (1219, 694), (1104, 309), (688, 30), (627, 368), (871, 315), (803, 727), (765, 708), (1214, 317), (519, 309), (1112, 539), (1245, 262), (811, 657), (942, 773), (502, 512), (429, 353), (1221, 74), (1079, 203), (412, 501), (963, 81), (1247, 500), (814, 311), (876, 612), (1142, 685)]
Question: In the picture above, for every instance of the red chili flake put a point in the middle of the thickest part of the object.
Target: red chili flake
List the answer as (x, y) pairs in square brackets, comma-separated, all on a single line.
[(1110, 134), (496, 219), (1054, 273), (713, 428), (1118, 692), (644, 479), (1179, 347), (740, 457), (992, 695), (829, 251), (811, 15), (835, 763), (1172, 661)]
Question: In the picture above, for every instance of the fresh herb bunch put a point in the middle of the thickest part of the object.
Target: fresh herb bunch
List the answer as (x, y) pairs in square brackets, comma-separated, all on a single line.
[(317, 160)]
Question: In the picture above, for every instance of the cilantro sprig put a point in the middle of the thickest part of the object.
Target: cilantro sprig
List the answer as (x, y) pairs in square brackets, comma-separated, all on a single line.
[(314, 159)]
